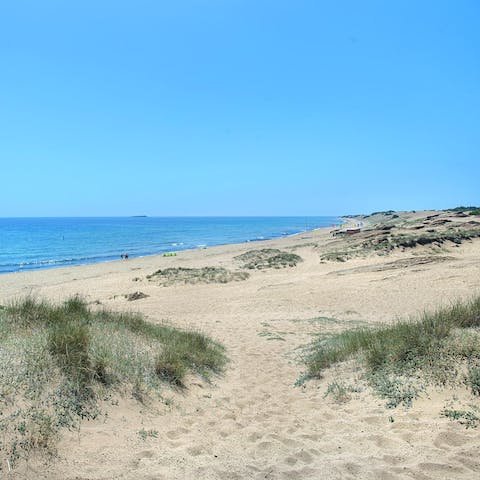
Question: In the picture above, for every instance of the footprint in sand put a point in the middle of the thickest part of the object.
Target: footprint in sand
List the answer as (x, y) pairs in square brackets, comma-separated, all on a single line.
[(383, 442), (290, 461), (312, 437), (449, 439), (142, 458), (301, 474), (174, 434), (468, 462), (254, 437), (263, 446), (288, 442), (196, 450), (304, 457), (432, 467), (392, 460), (374, 420), (146, 454)]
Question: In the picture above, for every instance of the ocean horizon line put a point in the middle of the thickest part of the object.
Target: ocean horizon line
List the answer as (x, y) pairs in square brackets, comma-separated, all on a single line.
[(172, 216)]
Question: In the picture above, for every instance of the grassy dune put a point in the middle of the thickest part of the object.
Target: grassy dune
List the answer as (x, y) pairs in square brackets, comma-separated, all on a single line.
[(58, 361), (268, 258), (441, 348), (182, 275)]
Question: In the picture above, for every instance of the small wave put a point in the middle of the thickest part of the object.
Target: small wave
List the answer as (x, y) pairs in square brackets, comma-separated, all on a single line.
[(54, 261)]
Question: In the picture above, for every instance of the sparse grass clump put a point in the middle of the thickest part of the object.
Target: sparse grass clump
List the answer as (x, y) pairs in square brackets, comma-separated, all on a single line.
[(171, 276), (429, 347), (340, 391), (473, 379), (386, 212), (465, 417), (268, 258), (131, 297), (390, 242), (60, 361), (144, 434), (383, 240), (334, 256), (461, 209)]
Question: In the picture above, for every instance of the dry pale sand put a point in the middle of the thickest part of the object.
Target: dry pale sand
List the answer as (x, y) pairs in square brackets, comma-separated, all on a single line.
[(253, 422)]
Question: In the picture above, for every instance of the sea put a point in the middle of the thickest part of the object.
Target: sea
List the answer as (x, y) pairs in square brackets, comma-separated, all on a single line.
[(39, 243)]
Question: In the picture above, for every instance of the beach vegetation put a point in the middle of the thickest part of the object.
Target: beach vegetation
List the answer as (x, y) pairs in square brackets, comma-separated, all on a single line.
[(461, 208), (402, 358), (385, 212), (468, 418), (385, 242), (144, 434), (473, 379), (135, 296), (182, 275), (340, 391), (272, 335), (268, 258), (59, 363), (335, 256)]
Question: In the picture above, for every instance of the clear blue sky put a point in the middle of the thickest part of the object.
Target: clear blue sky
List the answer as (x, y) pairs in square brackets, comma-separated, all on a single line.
[(238, 107)]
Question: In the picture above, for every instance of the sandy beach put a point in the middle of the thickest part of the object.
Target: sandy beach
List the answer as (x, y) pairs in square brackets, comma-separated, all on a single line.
[(255, 421)]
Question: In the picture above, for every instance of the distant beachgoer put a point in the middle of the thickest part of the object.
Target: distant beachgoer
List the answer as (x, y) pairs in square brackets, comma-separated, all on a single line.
[(126, 256)]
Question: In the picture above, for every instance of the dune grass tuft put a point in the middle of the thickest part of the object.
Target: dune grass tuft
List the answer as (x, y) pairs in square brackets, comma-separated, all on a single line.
[(436, 346), (60, 361), (182, 275), (268, 258), (404, 341)]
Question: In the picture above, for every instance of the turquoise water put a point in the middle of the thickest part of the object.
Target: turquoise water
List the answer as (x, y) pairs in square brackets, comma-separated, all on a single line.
[(35, 243)]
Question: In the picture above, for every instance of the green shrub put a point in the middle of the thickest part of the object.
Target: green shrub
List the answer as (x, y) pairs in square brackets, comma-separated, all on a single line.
[(465, 417), (473, 380)]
